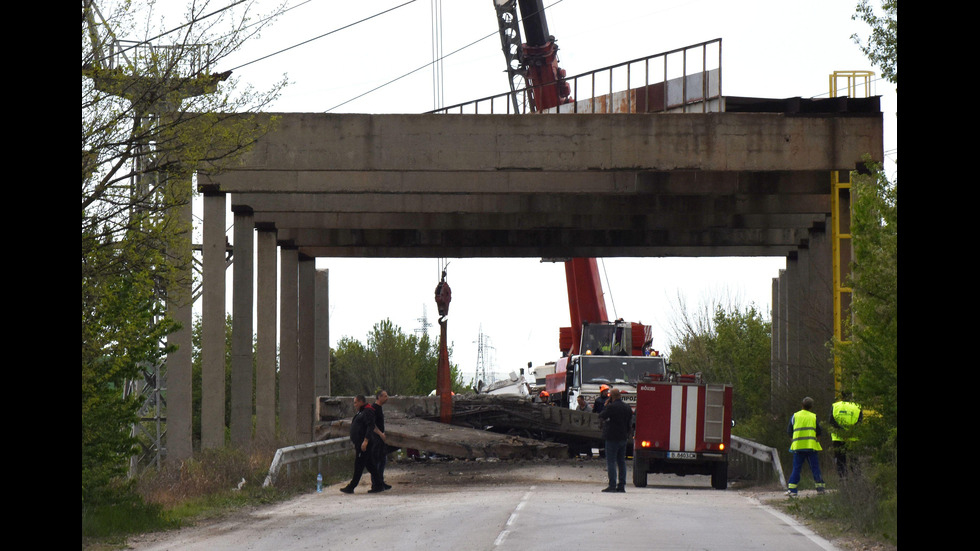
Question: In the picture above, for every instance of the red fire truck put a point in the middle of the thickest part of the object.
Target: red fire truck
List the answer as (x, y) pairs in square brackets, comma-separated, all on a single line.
[(683, 426)]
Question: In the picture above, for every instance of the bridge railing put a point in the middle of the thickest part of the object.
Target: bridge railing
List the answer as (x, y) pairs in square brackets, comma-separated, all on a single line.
[(684, 79), (756, 460), (308, 453)]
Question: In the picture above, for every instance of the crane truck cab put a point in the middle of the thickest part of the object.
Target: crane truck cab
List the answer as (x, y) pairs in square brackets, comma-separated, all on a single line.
[(587, 373), (609, 355)]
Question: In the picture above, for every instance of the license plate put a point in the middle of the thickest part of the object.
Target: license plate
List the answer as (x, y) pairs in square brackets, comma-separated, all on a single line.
[(682, 455)]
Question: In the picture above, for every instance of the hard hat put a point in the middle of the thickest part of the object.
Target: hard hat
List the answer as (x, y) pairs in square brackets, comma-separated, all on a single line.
[(544, 393), (603, 387)]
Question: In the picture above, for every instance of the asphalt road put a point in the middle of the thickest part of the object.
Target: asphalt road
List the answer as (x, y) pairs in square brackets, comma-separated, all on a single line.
[(467, 505)]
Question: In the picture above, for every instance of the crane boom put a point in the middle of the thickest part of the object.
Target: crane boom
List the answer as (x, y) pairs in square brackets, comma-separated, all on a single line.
[(536, 59)]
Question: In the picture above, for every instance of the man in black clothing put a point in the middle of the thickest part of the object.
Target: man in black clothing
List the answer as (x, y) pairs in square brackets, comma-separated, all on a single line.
[(601, 399), (617, 417), (362, 428), (379, 422)]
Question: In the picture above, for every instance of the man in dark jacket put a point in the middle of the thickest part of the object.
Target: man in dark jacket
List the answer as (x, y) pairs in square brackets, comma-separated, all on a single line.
[(361, 430), (601, 399), (617, 418), (379, 422)]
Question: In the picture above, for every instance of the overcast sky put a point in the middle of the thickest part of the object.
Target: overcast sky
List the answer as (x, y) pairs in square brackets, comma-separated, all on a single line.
[(770, 48)]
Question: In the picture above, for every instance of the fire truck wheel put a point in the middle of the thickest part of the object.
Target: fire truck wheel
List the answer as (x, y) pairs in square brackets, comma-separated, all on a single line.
[(719, 475), (640, 468)]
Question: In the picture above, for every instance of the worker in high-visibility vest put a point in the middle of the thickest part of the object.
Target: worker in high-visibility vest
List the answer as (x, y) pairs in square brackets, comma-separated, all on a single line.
[(804, 430), (844, 415)]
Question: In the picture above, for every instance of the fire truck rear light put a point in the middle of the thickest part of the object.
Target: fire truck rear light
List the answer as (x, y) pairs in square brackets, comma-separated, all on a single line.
[(721, 447), (644, 443)]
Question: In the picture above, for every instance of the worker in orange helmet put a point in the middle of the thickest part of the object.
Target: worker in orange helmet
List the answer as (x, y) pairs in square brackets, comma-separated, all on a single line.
[(545, 398), (601, 399)]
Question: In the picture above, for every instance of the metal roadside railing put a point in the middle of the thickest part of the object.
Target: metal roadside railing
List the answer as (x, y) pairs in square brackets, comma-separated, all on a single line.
[(750, 456), (680, 79), (755, 457), (286, 457)]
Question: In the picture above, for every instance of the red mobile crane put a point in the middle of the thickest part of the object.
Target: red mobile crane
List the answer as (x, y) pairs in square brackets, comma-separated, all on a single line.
[(683, 425), (536, 62)]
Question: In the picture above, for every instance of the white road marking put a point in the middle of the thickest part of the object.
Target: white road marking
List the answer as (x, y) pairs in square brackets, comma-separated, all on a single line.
[(513, 517)]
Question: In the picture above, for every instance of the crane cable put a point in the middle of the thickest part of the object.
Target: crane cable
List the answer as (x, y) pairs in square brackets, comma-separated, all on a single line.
[(609, 286)]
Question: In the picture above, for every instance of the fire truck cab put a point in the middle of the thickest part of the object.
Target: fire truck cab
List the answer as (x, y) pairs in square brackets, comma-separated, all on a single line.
[(682, 427)]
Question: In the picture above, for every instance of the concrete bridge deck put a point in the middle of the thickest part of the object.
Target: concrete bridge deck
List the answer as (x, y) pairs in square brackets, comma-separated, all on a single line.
[(547, 185), (754, 182)]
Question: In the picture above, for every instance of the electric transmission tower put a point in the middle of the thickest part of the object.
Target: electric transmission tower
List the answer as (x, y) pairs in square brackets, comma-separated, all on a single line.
[(424, 322), (484, 358)]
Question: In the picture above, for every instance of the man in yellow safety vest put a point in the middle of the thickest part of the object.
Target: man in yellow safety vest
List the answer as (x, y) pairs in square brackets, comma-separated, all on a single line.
[(804, 430), (843, 416)]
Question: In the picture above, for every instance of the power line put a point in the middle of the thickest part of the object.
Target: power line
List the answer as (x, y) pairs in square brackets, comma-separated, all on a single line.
[(413, 71), (325, 34)]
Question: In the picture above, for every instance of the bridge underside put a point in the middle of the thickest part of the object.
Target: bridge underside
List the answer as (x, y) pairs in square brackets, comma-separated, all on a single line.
[(557, 186), (715, 184)]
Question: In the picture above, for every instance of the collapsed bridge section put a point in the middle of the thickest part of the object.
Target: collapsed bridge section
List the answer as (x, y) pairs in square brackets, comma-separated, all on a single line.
[(506, 427)]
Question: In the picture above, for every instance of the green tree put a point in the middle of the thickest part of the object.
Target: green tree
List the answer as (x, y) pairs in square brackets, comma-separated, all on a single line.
[(882, 45), (152, 114), (729, 344), (390, 359), (869, 361), (740, 350), (122, 327)]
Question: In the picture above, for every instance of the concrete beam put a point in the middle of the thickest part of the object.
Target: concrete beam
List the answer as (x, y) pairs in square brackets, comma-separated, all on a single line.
[(529, 204), (568, 142), (523, 221), (514, 181)]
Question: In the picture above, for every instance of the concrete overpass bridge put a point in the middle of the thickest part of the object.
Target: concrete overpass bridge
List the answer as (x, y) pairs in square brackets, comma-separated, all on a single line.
[(755, 180)]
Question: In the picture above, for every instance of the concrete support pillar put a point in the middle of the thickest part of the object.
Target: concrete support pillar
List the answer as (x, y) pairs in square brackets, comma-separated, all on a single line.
[(781, 344), (288, 344), (321, 348), (241, 316), (266, 332), (775, 358), (180, 307), (213, 324), (793, 321), (305, 354), (818, 316)]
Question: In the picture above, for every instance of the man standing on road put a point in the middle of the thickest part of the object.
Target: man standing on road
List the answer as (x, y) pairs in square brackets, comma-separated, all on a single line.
[(617, 418), (804, 430), (361, 428), (379, 429)]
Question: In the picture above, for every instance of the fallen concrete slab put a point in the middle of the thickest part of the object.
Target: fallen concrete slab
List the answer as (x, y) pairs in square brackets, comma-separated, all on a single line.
[(452, 440), (497, 426)]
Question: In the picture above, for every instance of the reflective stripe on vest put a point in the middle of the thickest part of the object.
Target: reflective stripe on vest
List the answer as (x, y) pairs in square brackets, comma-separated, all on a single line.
[(846, 414), (804, 431)]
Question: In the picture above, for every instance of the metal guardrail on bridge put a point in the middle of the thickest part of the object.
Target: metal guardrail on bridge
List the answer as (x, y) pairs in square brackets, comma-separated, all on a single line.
[(759, 455), (285, 457), (669, 81)]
